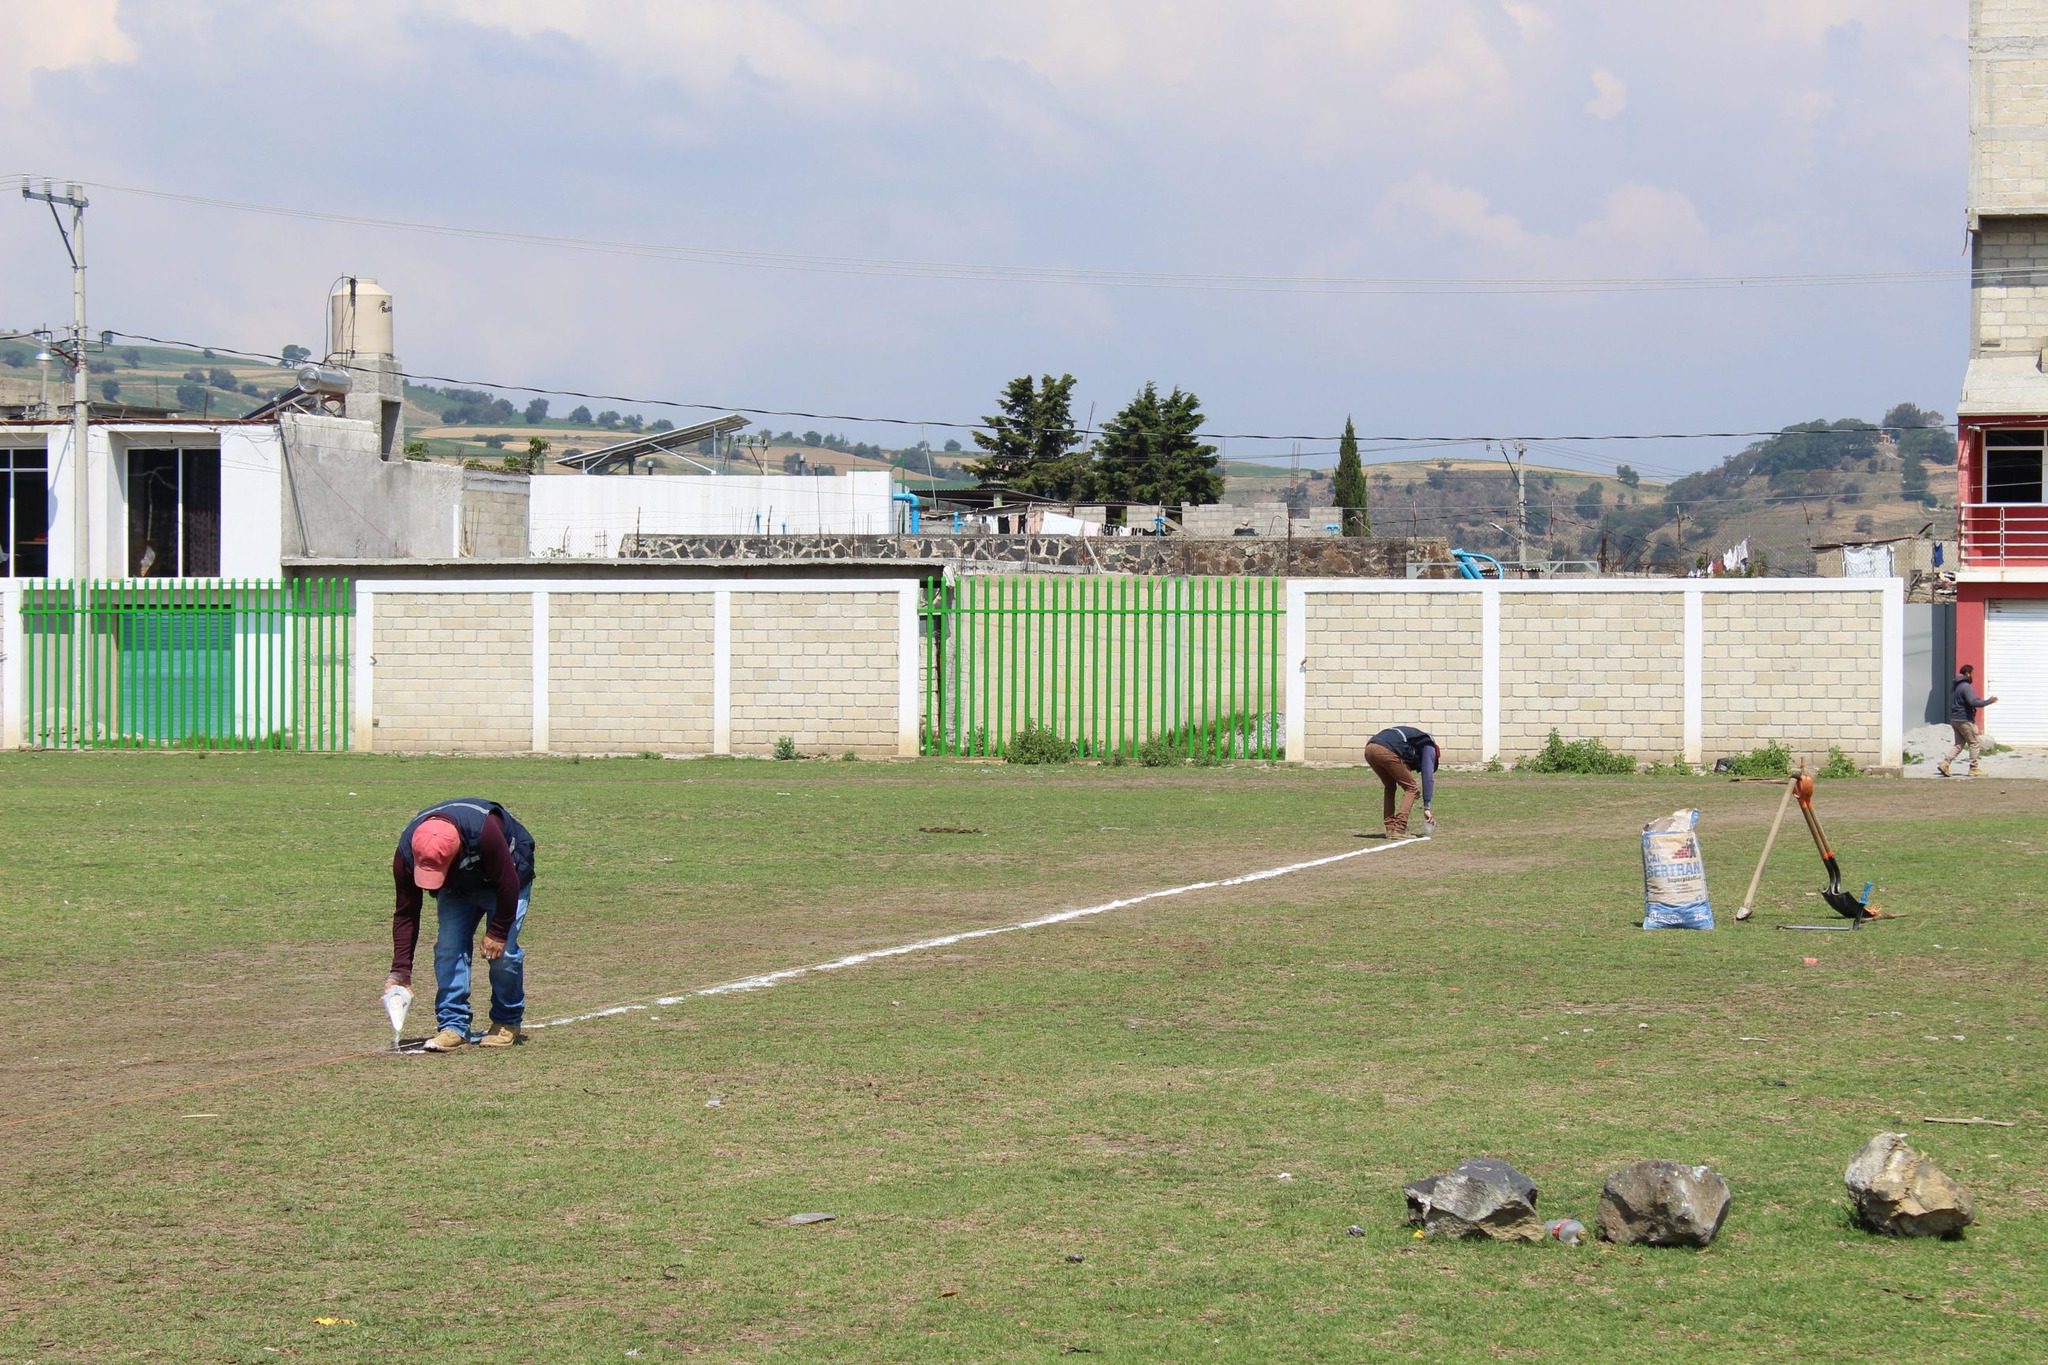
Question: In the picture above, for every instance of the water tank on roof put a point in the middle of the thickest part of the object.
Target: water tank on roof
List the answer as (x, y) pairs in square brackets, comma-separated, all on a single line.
[(358, 318)]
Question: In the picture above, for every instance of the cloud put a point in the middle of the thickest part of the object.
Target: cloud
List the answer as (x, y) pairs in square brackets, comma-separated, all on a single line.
[(1641, 230), (1533, 20), (1610, 95), (36, 38)]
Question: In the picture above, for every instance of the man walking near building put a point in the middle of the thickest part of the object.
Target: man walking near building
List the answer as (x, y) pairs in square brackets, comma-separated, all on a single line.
[(1963, 706), (1398, 753), (477, 862)]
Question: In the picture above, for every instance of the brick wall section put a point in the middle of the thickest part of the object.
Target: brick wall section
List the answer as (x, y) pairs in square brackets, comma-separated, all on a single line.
[(629, 672), (1380, 659), (1594, 666), (494, 520), (2008, 106), (2010, 299), (453, 672), (1801, 668), (818, 667)]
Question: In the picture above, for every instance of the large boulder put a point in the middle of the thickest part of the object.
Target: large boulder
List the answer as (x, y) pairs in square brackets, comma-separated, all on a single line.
[(1663, 1204), (1901, 1193), (1483, 1197)]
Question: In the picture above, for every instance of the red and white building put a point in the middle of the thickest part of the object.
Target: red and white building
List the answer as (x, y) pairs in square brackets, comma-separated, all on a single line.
[(2002, 444)]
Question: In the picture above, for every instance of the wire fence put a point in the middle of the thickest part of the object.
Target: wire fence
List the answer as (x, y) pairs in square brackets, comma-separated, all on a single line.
[(185, 664), (1192, 666)]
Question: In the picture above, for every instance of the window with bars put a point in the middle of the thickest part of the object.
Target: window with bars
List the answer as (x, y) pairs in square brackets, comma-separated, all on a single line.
[(24, 513), (2014, 463), (174, 513)]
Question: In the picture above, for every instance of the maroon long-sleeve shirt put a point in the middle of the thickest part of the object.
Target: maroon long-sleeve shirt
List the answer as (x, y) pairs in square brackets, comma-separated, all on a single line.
[(499, 872)]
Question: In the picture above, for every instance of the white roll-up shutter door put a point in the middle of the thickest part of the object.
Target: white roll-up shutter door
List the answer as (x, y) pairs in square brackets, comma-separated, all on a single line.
[(2016, 671)]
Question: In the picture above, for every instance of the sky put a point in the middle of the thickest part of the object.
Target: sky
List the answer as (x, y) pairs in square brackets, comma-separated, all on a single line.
[(1193, 192)]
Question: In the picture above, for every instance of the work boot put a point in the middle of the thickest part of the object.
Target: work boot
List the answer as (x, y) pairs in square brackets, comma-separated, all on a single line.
[(1974, 770), (1941, 770), (447, 1040), (502, 1035)]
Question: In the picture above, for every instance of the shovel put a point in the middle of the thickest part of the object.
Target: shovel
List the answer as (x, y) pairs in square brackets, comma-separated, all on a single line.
[(1840, 901)]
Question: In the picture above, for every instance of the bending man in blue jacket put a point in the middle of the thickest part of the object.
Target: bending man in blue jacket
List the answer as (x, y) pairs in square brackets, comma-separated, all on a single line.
[(1398, 753), (477, 862)]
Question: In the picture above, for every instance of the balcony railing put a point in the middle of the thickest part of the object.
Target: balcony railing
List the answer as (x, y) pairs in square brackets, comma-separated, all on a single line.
[(1996, 534)]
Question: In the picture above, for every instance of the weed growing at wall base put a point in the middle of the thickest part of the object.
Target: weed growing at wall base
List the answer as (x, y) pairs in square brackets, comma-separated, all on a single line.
[(1035, 744), (1580, 756)]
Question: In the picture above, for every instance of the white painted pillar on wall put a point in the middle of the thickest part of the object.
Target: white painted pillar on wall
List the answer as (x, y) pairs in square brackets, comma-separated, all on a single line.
[(12, 668), (1297, 672), (907, 697), (1695, 674), (721, 671), (540, 672), (364, 739), (1489, 670), (1891, 734)]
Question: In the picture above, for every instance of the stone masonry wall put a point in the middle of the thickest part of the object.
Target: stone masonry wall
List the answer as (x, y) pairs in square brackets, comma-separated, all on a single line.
[(1243, 556), (629, 672), (1801, 668), (1594, 666), (1380, 659), (453, 672), (818, 667)]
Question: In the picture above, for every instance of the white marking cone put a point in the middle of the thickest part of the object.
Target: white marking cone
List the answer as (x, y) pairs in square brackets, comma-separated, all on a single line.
[(397, 1000)]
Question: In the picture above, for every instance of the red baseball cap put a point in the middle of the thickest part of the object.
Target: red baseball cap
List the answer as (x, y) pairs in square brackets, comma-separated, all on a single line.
[(435, 842)]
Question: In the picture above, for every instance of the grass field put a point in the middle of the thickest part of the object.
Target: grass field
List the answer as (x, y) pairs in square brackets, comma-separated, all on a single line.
[(203, 1155)]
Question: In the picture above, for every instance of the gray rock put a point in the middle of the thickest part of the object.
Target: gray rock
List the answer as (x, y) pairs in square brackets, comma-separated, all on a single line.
[(1901, 1193), (797, 1220), (1483, 1197), (1663, 1204)]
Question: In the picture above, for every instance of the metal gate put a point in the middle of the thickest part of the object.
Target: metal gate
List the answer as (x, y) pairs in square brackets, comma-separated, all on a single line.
[(214, 664), (1109, 664)]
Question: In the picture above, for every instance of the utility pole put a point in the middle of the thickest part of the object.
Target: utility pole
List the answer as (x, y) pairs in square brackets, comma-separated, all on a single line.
[(1521, 504), (74, 246)]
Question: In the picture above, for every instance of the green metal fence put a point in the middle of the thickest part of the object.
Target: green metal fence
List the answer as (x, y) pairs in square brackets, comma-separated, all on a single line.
[(1109, 664), (156, 664)]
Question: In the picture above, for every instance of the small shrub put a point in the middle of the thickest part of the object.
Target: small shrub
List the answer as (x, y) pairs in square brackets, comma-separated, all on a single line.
[(1115, 759), (785, 747), (1914, 758), (1772, 760), (1839, 764), (1677, 767), (1494, 765), (1160, 752), (1580, 756), (1036, 744), (849, 757)]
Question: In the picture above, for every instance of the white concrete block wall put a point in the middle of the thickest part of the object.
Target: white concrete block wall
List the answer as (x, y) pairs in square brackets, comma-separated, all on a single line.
[(621, 666), (1655, 668)]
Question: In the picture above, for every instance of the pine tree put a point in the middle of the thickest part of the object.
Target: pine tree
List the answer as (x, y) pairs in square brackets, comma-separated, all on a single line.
[(1349, 485), (1149, 452), (1031, 443)]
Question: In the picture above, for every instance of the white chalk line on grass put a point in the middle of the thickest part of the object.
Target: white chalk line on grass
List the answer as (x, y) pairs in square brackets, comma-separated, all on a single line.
[(768, 979)]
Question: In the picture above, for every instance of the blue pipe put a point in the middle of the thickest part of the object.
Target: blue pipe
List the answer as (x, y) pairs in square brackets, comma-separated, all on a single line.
[(1470, 564), (910, 498)]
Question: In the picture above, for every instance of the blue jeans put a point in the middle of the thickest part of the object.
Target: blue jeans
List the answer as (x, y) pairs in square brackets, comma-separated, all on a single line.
[(455, 938)]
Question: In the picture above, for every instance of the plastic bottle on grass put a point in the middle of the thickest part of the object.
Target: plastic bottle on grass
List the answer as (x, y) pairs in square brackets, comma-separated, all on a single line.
[(1566, 1230)]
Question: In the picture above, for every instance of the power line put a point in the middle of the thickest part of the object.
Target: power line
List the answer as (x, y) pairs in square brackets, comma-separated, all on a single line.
[(1390, 440), (1085, 276)]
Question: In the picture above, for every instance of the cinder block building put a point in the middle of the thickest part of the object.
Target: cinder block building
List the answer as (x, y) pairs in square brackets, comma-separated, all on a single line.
[(2002, 452)]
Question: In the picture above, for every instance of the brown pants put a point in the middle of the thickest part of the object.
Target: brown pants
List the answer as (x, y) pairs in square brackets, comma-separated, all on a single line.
[(1966, 738), (1394, 773)]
